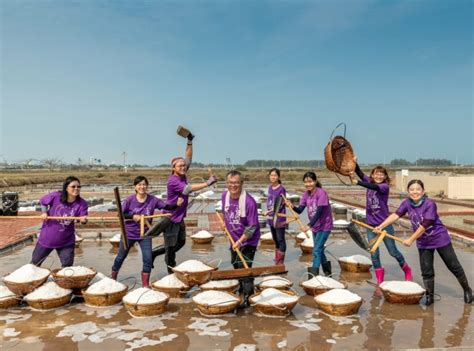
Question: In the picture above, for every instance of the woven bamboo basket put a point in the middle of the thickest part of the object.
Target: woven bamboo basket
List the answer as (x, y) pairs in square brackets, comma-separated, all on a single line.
[(339, 210), (103, 300), (172, 292), (9, 301), (78, 241), (229, 288), (202, 240), (21, 289), (306, 250), (405, 299), (339, 156), (77, 282), (318, 290), (284, 286), (282, 309), (47, 304), (146, 309), (339, 309), (114, 243), (267, 241), (354, 267), (215, 309), (194, 278), (299, 240)]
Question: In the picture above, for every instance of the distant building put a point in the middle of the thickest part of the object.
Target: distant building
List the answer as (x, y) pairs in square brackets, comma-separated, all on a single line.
[(452, 186)]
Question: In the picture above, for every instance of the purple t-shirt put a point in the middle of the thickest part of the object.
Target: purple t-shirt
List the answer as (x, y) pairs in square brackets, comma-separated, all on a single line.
[(377, 203), (236, 224), (133, 207), (435, 236), (312, 201), (272, 195), (57, 234), (175, 188)]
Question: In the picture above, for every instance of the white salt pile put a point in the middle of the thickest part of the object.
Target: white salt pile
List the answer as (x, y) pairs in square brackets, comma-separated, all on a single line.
[(356, 259), (48, 291), (115, 238), (341, 222), (274, 281), (338, 297), (214, 297), (144, 296), (402, 287), (359, 212), (79, 238), (302, 235), (104, 286), (27, 273), (338, 205), (308, 242), (202, 234), (170, 281), (273, 296), (220, 284), (193, 266), (75, 271), (266, 236), (323, 282), (5, 293)]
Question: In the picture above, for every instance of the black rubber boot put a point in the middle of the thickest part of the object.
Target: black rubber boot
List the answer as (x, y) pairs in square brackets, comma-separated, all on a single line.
[(155, 252), (327, 268), (467, 290), (313, 272), (429, 286)]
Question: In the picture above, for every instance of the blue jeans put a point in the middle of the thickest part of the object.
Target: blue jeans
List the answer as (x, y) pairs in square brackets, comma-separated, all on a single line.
[(319, 239), (278, 235), (145, 246), (389, 244)]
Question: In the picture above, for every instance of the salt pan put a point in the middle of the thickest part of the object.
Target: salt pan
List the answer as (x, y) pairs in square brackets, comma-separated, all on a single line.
[(75, 271), (144, 296), (402, 287), (105, 285), (193, 266), (170, 281), (323, 282), (338, 297), (49, 290), (356, 259), (214, 297), (27, 273), (273, 296)]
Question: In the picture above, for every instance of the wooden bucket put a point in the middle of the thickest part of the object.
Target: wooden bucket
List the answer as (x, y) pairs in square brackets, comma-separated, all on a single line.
[(279, 310), (202, 240), (73, 282), (194, 278), (339, 309), (22, 289), (216, 309), (317, 290), (354, 267), (172, 292), (47, 304), (103, 300), (146, 309), (405, 299)]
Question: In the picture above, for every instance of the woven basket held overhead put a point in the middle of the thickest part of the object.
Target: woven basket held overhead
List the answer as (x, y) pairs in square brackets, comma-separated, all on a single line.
[(339, 155)]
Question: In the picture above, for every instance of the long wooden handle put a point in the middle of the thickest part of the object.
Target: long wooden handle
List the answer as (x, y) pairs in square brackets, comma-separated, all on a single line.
[(89, 218), (297, 217), (362, 224), (142, 225), (232, 241)]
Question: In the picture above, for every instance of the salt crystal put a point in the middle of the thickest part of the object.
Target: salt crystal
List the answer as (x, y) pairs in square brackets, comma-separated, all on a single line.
[(49, 290), (170, 281), (216, 284), (273, 296), (75, 271), (105, 285), (274, 281), (402, 287), (356, 259), (323, 282), (338, 297), (5, 293), (193, 266), (27, 273), (214, 297), (203, 234), (144, 296)]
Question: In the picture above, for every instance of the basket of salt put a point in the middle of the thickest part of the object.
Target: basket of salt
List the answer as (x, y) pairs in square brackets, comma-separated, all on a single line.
[(403, 292), (115, 240), (320, 284), (266, 239), (79, 240), (355, 263), (340, 224), (26, 279), (48, 296), (214, 302), (220, 285), (302, 236), (171, 285), (193, 272), (106, 292), (75, 277), (202, 237), (339, 209), (339, 302), (307, 246), (8, 298), (144, 302), (274, 302), (274, 281)]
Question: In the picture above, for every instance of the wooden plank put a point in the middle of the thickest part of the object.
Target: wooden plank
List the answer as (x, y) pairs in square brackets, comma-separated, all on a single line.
[(123, 231), (248, 272)]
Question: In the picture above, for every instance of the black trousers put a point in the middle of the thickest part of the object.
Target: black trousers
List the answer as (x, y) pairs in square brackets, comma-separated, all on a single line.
[(278, 235), (248, 252), (175, 239), (447, 255)]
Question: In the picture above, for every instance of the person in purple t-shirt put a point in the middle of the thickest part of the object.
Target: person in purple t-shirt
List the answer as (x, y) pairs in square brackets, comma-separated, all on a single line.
[(378, 189), (178, 187), (60, 235), (241, 220), (133, 207), (430, 235), (320, 220), (276, 190)]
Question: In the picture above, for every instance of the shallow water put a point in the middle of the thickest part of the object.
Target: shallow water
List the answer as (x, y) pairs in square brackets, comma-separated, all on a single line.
[(378, 325)]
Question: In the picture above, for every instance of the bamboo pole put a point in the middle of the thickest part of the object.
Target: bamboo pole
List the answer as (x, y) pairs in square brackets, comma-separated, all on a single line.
[(297, 217), (379, 240), (232, 241)]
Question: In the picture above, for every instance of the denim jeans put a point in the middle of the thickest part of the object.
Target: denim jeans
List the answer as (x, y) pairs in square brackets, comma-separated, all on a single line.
[(319, 239), (389, 244), (145, 246), (278, 235)]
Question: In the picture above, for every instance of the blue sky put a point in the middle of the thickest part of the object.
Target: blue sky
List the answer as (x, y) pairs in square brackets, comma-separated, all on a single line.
[(252, 79)]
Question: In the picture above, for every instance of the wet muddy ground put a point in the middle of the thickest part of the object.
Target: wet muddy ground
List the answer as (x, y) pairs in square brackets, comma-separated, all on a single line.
[(378, 325)]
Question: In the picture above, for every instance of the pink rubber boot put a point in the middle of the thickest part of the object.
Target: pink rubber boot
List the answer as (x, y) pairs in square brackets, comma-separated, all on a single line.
[(379, 274), (407, 269)]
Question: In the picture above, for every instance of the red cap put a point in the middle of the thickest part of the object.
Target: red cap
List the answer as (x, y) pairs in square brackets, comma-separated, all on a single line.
[(175, 159)]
